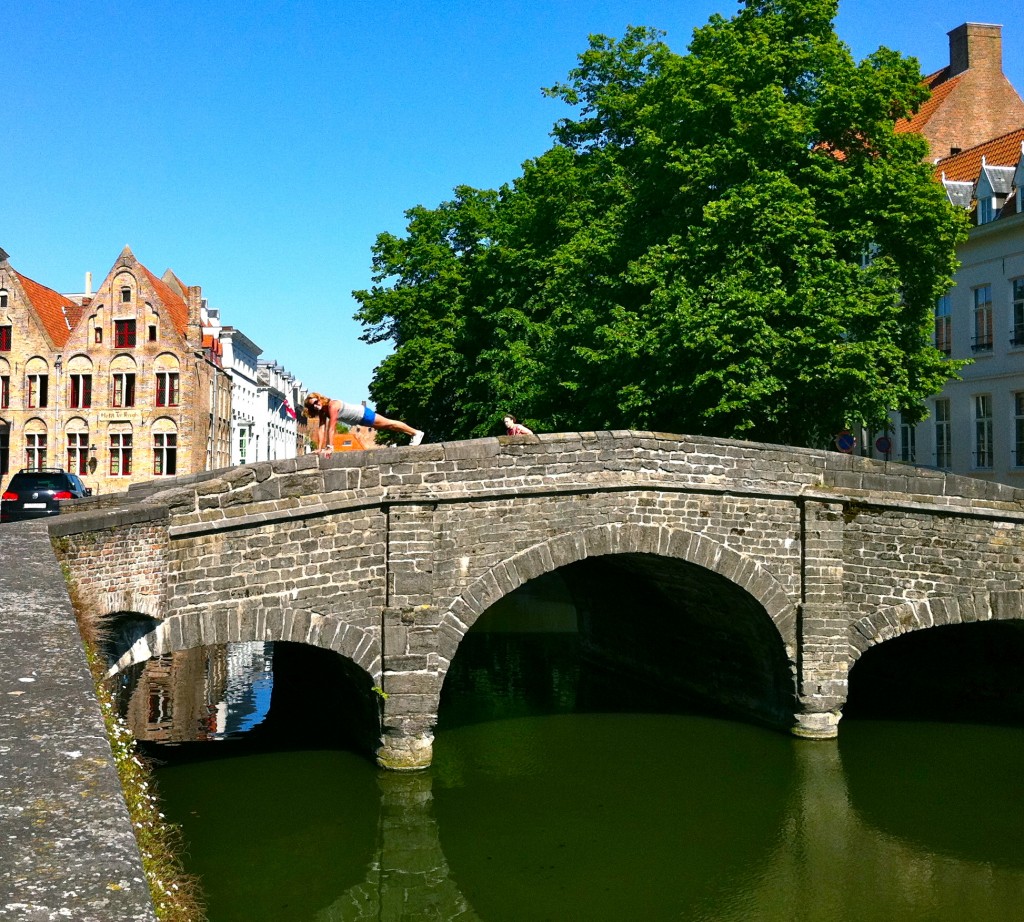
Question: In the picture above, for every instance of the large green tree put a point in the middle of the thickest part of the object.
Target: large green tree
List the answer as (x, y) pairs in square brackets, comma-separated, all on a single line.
[(734, 241)]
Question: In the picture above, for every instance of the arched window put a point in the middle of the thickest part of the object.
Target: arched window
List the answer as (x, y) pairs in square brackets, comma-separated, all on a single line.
[(79, 371), (5, 384), (37, 383), (122, 381), (168, 380)]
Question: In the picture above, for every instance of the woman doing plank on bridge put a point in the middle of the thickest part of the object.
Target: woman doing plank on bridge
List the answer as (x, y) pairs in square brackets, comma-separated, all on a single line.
[(328, 412)]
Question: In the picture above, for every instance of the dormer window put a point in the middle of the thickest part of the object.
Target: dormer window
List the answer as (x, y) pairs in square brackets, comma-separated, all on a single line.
[(126, 295), (992, 190)]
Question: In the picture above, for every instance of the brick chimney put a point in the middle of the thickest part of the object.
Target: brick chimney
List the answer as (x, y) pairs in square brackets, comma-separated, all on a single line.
[(977, 46), (194, 300), (979, 103)]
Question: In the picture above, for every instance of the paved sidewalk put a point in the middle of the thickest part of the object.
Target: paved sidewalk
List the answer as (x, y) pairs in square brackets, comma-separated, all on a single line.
[(67, 850)]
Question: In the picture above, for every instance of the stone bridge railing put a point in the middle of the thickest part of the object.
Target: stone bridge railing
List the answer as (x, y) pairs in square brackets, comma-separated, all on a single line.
[(388, 557)]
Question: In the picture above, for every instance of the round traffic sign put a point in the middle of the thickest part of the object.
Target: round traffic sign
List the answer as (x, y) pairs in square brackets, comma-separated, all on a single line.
[(846, 441)]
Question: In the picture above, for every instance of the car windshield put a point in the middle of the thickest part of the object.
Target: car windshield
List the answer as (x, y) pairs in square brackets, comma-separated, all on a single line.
[(38, 482)]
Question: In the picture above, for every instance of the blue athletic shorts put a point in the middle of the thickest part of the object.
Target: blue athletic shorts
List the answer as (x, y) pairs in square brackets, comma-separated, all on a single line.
[(355, 414)]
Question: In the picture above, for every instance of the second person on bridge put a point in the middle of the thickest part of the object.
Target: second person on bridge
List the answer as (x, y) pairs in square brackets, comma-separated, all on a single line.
[(328, 413)]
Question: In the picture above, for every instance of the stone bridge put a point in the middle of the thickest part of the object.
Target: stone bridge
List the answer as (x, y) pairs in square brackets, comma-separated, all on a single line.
[(754, 575)]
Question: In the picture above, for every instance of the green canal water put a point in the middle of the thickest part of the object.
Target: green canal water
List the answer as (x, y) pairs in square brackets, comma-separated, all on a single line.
[(555, 796)]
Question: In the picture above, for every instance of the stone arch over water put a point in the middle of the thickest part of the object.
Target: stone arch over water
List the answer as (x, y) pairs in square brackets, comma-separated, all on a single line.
[(604, 540), (199, 629), (919, 614), (946, 659), (675, 563)]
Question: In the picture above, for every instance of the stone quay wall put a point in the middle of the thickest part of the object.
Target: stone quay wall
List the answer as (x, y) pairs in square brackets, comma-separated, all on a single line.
[(67, 846)]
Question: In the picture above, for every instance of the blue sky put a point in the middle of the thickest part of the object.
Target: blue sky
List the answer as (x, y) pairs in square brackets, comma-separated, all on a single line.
[(258, 149)]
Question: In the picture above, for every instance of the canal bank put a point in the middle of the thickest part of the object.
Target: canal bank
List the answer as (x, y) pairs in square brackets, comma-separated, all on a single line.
[(67, 849)]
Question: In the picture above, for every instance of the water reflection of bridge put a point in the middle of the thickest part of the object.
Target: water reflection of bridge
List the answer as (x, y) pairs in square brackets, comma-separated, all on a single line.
[(822, 832), (825, 838)]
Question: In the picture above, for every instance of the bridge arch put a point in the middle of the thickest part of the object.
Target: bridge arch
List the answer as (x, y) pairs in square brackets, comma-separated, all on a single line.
[(948, 658), (918, 614), (205, 628), (629, 538), (616, 539), (114, 602)]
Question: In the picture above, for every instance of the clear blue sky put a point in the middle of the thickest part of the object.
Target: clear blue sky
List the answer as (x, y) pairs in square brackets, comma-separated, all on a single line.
[(257, 149)]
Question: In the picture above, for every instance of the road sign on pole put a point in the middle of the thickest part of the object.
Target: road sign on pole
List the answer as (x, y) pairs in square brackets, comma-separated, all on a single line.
[(846, 441)]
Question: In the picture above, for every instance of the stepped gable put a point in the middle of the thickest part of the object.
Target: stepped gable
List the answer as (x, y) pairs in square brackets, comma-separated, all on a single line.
[(57, 314)]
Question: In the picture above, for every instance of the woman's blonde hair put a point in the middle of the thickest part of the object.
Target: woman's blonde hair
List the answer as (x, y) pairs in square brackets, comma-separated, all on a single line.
[(319, 398)]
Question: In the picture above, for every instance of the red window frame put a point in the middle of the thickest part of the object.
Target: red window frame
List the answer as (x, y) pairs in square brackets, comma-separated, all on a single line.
[(168, 388), (78, 452), (38, 391), (165, 454), (120, 454), (124, 334), (5, 338), (123, 389), (79, 391)]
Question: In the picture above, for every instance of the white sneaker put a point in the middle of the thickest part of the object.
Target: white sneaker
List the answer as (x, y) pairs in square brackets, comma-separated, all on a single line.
[(417, 437)]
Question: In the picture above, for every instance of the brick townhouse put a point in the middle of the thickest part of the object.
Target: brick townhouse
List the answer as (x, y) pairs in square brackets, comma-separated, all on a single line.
[(971, 101), (117, 385)]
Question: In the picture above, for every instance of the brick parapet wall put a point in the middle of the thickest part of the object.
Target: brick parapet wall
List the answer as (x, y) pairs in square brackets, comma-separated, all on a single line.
[(118, 563), (457, 471)]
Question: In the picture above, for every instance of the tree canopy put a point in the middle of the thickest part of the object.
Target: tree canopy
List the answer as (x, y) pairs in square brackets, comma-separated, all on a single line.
[(734, 242)]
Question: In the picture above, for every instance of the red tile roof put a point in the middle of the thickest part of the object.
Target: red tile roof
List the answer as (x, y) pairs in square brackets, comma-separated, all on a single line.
[(941, 88), (213, 344), (57, 313), (347, 441), (966, 166), (175, 304)]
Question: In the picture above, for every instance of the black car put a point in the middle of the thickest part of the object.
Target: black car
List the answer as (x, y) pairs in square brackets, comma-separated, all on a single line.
[(32, 494)]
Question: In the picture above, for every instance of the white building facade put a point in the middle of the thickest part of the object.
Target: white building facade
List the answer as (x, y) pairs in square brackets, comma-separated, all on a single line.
[(277, 420), (976, 425), (264, 423), (241, 356)]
